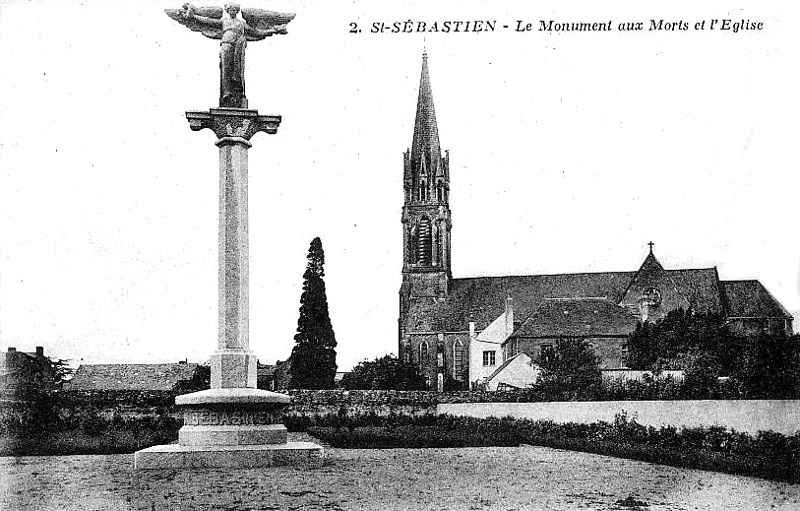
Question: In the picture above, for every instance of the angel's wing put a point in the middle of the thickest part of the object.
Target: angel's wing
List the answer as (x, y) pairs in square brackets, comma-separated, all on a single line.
[(265, 23), (196, 24)]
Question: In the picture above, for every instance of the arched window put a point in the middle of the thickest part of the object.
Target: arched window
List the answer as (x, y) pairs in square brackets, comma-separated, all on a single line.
[(424, 242), (459, 361), (440, 196), (407, 354), (423, 352)]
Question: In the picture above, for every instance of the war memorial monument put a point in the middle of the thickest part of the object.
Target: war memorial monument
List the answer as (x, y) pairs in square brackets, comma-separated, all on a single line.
[(233, 424)]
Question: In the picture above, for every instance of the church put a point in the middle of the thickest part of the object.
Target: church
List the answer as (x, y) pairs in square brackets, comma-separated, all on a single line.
[(461, 331)]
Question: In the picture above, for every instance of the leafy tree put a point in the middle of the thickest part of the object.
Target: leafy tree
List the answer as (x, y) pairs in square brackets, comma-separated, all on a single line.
[(681, 339), (313, 359), (61, 371), (769, 367), (384, 373), (570, 367)]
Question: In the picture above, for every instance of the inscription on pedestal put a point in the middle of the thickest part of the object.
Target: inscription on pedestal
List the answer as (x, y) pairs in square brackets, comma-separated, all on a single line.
[(229, 417)]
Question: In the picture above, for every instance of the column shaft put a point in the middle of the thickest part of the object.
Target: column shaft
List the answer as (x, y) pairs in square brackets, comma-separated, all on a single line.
[(233, 365)]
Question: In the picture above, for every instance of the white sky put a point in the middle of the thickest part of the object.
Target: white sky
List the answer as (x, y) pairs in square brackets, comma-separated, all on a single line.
[(568, 153)]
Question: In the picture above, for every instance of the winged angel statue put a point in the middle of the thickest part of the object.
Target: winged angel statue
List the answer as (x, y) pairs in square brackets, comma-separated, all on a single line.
[(233, 32)]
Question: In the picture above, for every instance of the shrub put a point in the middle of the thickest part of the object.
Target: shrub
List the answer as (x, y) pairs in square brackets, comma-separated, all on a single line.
[(769, 455)]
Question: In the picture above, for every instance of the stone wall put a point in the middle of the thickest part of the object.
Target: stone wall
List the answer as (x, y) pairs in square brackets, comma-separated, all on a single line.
[(361, 402), (751, 416), (743, 415), (74, 406)]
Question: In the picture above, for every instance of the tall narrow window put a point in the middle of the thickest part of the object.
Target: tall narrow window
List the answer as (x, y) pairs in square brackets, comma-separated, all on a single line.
[(623, 355), (423, 353), (422, 191), (424, 242), (439, 191), (459, 362)]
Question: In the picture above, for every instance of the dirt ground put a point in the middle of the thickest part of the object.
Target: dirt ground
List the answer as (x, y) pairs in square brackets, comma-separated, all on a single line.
[(489, 478)]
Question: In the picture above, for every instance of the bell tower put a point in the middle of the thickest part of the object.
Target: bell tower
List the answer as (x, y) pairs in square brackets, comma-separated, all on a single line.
[(426, 211)]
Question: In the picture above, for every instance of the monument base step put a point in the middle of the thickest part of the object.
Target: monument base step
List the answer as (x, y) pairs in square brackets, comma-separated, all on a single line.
[(175, 456)]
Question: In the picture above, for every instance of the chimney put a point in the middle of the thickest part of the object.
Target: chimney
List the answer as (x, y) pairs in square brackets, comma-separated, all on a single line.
[(509, 316), (39, 351), (472, 330), (12, 350)]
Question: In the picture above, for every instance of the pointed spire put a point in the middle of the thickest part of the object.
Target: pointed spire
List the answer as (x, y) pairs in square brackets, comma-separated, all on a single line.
[(426, 133)]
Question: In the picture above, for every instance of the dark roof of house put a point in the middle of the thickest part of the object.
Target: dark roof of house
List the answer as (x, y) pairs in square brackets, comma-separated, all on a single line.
[(749, 298), (482, 299), (503, 366), (577, 317), (130, 376)]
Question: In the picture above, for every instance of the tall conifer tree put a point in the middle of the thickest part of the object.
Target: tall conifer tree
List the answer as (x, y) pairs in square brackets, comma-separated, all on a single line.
[(313, 361)]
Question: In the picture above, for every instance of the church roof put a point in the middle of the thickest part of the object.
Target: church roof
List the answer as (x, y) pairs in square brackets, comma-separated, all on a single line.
[(577, 317), (482, 299), (130, 376), (426, 133), (750, 299)]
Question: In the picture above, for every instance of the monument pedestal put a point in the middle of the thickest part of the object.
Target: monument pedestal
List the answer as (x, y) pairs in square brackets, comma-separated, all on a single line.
[(233, 424), (231, 428)]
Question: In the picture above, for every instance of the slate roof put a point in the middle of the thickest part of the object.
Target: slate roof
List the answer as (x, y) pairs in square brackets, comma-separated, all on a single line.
[(130, 376), (749, 298), (577, 317), (701, 287), (503, 366), (482, 299)]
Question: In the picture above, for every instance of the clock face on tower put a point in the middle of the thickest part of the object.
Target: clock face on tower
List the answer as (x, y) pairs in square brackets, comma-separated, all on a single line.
[(651, 297)]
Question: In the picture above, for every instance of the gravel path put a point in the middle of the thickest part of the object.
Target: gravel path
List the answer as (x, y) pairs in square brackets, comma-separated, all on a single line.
[(489, 478)]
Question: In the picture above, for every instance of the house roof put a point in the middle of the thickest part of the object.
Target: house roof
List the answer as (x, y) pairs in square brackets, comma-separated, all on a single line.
[(505, 364), (749, 298), (577, 317), (130, 376)]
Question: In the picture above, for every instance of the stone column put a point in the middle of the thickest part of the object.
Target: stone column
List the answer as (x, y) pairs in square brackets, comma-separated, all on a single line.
[(232, 424), (233, 365)]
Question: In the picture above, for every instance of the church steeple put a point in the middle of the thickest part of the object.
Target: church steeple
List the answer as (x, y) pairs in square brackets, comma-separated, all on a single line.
[(425, 144), (426, 214), (426, 177)]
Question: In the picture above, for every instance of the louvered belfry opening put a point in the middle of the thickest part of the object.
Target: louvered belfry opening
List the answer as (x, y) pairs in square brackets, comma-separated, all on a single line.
[(424, 243)]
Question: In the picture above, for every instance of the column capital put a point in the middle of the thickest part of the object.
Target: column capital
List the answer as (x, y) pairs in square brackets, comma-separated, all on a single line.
[(233, 123)]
